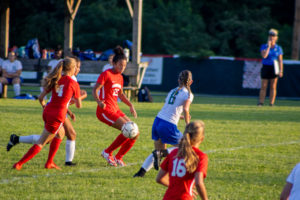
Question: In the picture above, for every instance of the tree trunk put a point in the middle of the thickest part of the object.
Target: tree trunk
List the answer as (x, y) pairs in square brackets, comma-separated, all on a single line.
[(4, 32), (70, 14)]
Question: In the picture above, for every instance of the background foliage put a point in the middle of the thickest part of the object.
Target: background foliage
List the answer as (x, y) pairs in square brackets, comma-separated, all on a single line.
[(185, 27)]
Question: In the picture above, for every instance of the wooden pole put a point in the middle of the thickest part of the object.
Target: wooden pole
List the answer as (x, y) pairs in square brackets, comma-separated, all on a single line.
[(4, 32), (296, 32), (129, 8), (70, 14), (137, 32)]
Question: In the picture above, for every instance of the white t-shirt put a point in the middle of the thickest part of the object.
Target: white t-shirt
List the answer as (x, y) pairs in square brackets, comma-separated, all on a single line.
[(173, 107), (294, 178), (11, 67), (106, 67), (53, 63)]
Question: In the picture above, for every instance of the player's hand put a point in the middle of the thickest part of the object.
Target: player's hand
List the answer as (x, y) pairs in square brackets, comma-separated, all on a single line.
[(280, 74), (72, 101), (133, 112), (195, 193), (101, 104)]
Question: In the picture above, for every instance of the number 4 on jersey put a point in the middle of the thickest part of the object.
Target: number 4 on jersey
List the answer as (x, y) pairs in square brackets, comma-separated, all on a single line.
[(60, 90)]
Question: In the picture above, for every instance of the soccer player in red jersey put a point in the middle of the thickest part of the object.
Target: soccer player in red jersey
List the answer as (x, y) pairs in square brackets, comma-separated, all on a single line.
[(69, 129), (108, 88), (63, 88), (185, 166)]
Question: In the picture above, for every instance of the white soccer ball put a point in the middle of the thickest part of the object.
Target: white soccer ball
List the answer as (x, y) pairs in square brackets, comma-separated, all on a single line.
[(130, 129)]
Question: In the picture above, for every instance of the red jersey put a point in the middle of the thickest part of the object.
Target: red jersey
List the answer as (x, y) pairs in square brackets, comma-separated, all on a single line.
[(112, 84), (181, 182), (58, 106)]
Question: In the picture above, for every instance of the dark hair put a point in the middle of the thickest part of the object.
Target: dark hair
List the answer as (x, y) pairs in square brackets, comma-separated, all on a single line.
[(119, 54), (184, 78)]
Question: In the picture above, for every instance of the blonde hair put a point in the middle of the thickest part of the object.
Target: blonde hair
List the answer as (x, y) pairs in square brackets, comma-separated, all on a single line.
[(51, 80), (273, 30), (193, 134), (185, 77)]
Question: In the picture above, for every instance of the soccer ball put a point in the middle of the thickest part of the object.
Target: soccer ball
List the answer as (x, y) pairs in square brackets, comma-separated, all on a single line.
[(130, 129)]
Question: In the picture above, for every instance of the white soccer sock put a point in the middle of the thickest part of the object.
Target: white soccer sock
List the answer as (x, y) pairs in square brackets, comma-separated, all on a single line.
[(70, 150), (30, 139), (148, 163), (17, 89), (0, 88)]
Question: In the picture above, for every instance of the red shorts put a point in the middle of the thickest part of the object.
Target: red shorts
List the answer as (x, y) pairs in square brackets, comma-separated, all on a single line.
[(108, 117), (52, 125)]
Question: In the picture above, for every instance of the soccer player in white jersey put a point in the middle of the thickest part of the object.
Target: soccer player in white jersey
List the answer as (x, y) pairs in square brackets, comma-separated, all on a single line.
[(164, 128), (69, 129)]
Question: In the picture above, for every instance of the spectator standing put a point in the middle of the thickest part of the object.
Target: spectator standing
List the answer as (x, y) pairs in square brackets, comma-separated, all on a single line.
[(272, 67), (11, 73)]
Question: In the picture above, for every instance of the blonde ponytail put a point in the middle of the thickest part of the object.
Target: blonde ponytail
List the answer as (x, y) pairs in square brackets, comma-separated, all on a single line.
[(193, 133), (51, 80)]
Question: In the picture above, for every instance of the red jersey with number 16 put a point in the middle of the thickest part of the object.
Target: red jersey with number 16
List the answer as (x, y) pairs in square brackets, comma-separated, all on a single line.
[(181, 182), (58, 106), (112, 84)]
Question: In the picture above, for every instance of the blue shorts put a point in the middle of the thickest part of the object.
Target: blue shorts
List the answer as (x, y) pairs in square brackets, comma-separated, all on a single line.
[(9, 80), (166, 131)]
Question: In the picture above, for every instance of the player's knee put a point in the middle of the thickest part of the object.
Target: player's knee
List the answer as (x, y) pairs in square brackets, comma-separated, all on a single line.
[(16, 80), (71, 135)]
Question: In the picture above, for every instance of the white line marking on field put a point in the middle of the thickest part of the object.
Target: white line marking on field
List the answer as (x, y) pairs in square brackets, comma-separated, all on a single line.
[(14, 179), (251, 147)]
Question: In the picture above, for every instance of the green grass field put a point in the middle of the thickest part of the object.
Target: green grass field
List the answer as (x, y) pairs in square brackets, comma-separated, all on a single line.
[(251, 151)]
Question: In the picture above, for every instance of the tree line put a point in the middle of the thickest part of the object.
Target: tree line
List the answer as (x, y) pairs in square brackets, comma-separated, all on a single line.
[(198, 28)]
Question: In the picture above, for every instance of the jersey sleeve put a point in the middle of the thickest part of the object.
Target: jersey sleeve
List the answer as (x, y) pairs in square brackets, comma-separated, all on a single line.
[(19, 65), (76, 90), (280, 51), (102, 78), (202, 165), (164, 165), (292, 176)]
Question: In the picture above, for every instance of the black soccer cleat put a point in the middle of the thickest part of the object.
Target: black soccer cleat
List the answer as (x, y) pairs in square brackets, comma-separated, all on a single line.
[(71, 164), (13, 140), (140, 173), (157, 159)]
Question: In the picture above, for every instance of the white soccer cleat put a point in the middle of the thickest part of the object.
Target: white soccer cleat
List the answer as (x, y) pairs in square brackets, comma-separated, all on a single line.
[(109, 158), (120, 162)]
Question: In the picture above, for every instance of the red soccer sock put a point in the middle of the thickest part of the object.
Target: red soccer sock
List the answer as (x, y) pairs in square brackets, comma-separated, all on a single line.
[(119, 141), (35, 149), (53, 149), (125, 148)]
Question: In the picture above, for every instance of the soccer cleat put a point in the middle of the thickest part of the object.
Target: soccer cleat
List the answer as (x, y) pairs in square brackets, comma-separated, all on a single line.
[(52, 166), (109, 158), (70, 164), (17, 166), (13, 140), (157, 158), (140, 173), (119, 162), (260, 104)]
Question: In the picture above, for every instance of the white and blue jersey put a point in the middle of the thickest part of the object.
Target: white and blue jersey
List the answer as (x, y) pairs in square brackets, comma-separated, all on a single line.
[(273, 54), (165, 123)]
